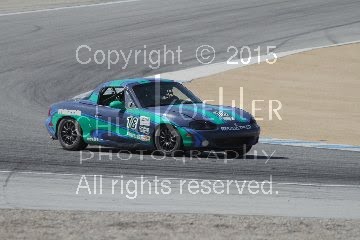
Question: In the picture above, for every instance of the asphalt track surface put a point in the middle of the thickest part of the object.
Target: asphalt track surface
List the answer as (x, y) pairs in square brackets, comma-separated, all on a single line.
[(38, 67)]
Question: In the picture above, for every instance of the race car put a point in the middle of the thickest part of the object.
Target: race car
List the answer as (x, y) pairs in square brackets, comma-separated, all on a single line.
[(150, 114)]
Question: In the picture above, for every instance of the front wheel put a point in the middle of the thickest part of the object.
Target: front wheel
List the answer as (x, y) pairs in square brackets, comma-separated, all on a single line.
[(70, 135), (167, 140)]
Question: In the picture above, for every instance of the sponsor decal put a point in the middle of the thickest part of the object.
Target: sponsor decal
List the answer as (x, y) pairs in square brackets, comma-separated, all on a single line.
[(144, 130), (144, 121), (236, 128), (224, 115), (93, 139), (145, 138), (69, 112), (132, 122), (140, 137)]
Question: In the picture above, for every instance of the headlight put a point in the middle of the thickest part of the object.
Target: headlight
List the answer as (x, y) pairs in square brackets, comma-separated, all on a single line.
[(202, 125)]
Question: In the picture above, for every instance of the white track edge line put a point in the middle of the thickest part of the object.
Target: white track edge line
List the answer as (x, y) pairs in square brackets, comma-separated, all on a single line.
[(309, 144), (66, 7)]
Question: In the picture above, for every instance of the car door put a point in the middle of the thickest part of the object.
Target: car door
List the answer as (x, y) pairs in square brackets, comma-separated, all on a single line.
[(134, 121), (114, 126)]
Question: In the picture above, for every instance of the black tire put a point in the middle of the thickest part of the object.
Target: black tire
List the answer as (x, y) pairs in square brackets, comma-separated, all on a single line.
[(167, 140), (70, 135), (238, 153)]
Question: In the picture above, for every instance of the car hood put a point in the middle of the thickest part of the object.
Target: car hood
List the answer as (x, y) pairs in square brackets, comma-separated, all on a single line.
[(183, 113)]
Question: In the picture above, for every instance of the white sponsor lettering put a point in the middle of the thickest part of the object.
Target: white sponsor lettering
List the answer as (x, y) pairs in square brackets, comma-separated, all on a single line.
[(69, 112), (93, 139), (144, 130), (235, 128), (224, 115), (143, 138), (144, 121)]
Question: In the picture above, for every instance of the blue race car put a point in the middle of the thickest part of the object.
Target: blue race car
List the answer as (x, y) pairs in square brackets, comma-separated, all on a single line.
[(150, 114)]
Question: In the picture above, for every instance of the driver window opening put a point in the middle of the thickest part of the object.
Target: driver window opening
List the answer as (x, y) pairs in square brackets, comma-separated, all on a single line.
[(109, 94), (162, 94)]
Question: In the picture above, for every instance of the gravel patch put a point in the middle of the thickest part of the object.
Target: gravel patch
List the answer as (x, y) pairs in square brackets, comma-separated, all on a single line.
[(41, 224)]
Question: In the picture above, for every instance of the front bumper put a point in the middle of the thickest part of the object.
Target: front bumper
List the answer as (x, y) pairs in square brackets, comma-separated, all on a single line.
[(224, 140)]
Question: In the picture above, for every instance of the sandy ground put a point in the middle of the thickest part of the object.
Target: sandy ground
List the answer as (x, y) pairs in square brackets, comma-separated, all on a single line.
[(27, 5), (318, 90), (39, 224)]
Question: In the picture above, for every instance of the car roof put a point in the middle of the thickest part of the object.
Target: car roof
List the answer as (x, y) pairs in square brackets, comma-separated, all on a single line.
[(132, 82), (123, 83)]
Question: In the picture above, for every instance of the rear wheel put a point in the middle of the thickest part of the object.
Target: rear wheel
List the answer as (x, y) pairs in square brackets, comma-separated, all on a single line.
[(238, 153), (70, 135), (167, 140)]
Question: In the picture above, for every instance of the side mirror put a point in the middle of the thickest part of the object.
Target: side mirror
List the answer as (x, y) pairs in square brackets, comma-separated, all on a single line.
[(118, 105)]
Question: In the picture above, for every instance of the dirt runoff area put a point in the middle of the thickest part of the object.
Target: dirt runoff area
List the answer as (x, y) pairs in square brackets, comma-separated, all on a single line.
[(7, 6), (40, 224), (318, 91)]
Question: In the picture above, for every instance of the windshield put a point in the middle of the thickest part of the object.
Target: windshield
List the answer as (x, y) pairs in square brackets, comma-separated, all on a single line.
[(163, 93)]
